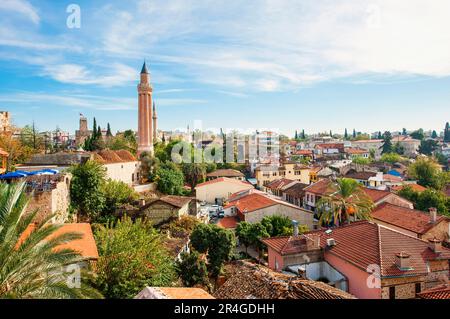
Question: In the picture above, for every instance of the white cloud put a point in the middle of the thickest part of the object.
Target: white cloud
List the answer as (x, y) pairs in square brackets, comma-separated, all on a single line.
[(118, 74), (20, 6), (286, 44)]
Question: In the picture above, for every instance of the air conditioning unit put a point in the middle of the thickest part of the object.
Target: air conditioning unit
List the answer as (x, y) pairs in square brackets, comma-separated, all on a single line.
[(331, 242)]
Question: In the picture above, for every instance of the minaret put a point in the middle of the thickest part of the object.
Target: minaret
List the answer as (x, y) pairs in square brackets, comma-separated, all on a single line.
[(155, 120), (145, 132)]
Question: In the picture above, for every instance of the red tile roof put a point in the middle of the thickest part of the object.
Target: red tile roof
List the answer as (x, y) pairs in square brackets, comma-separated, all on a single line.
[(229, 222), (319, 188), (439, 292), (279, 183), (392, 178), (365, 243), (356, 151), (251, 203), (360, 175), (339, 146), (409, 219), (225, 173), (86, 246), (303, 152), (223, 179), (177, 201), (375, 194), (415, 187)]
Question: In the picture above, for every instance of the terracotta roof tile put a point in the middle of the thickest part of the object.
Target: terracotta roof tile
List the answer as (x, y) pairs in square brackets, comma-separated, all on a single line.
[(409, 219), (229, 222), (225, 173), (251, 202), (223, 179), (173, 293), (319, 188), (415, 187), (279, 183), (251, 281), (364, 243), (438, 292)]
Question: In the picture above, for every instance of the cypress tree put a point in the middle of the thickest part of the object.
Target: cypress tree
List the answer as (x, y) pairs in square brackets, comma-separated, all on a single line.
[(108, 131), (387, 145), (345, 134), (447, 133), (296, 134), (354, 133), (303, 134)]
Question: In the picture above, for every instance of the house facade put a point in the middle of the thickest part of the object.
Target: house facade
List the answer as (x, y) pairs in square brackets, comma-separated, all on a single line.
[(266, 174), (218, 190)]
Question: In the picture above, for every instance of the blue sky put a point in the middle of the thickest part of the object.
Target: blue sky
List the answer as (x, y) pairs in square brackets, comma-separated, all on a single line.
[(280, 64)]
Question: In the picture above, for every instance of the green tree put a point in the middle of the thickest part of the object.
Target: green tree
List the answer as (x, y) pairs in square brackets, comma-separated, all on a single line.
[(216, 243), (447, 133), (434, 134), (427, 147), (428, 173), (391, 158), (116, 193), (33, 267), (277, 225), (303, 135), (108, 131), (345, 134), (194, 173), (418, 135), (169, 179), (398, 148), (387, 143), (427, 199), (86, 188), (243, 232), (132, 257), (257, 232), (354, 133), (345, 198), (192, 270)]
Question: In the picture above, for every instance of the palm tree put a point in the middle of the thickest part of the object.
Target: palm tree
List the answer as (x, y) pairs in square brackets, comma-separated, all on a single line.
[(31, 265), (344, 199)]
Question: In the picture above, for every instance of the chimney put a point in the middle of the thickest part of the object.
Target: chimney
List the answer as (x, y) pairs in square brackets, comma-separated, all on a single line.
[(295, 226), (435, 245), (433, 215), (402, 260)]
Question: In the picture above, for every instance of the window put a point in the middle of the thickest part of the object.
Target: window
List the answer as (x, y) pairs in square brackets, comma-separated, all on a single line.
[(418, 288), (392, 292)]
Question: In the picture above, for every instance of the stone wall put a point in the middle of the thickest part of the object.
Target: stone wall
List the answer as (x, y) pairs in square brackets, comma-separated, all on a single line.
[(303, 217), (56, 201), (440, 231), (405, 287)]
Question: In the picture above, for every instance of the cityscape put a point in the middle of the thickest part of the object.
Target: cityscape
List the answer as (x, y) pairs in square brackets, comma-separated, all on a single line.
[(234, 182)]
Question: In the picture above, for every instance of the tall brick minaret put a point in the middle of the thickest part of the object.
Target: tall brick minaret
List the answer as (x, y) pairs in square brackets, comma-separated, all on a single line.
[(145, 117), (155, 123)]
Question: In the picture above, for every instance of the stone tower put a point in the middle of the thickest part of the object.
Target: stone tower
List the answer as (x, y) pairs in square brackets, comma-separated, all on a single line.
[(145, 118), (155, 123)]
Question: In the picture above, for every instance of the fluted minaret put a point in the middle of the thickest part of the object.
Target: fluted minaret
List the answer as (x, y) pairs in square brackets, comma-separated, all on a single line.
[(155, 122), (145, 131)]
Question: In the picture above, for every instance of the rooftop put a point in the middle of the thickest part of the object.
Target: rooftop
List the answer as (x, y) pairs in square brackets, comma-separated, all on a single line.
[(225, 173), (173, 293), (223, 180), (229, 222), (250, 281), (410, 219), (438, 292), (364, 243)]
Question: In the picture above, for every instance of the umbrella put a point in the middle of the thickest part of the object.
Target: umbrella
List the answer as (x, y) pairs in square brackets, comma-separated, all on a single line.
[(13, 175)]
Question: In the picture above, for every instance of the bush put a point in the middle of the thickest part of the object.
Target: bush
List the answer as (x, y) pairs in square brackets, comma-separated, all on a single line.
[(117, 193), (86, 188), (131, 257)]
